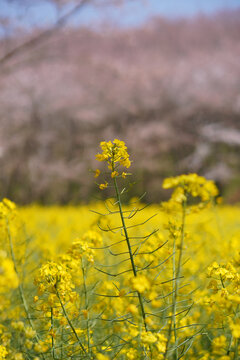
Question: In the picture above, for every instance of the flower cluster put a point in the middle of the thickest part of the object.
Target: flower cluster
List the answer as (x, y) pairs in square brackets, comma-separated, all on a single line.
[(3, 352), (187, 187), (6, 207), (8, 276), (223, 304), (53, 277), (8, 214), (115, 154)]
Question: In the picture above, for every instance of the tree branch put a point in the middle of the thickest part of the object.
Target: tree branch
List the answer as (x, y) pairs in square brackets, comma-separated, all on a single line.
[(43, 35)]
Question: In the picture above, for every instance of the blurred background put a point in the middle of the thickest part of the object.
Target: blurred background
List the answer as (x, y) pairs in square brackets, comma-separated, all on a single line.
[(162, 75)]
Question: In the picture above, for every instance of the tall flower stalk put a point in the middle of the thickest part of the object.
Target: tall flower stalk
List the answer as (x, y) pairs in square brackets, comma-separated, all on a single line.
[(191, 193), (116, 155)]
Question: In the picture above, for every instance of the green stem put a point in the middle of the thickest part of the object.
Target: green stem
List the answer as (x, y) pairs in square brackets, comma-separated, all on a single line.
[(177, 276), (174, 294), (173, 317), (62, 343), (236, 350), (231, 339), (53, 351), (222, 282), (86, 304), (129, 250), (20, 287), (168, 338), (71, 324)]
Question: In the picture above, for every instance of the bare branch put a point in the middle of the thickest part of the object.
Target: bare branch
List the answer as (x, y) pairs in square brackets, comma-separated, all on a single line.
[(35, 41)]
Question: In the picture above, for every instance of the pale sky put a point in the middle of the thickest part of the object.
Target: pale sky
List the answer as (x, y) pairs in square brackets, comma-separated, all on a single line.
[(133, 14)]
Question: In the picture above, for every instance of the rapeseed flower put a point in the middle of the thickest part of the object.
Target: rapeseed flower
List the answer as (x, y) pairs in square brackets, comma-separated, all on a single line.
[(114, 153), (3, 352)]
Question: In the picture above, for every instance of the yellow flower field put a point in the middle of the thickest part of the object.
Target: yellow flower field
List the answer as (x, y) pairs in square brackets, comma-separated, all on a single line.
[(115, 280)]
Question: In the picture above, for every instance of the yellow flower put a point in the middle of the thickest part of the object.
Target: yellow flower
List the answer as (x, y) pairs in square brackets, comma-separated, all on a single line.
[(3, 352), (132, 309), (18, 356), (102, 357), (193, 185), (9, 204), (101, 157), (114, 153), (54, 276), (41, 347), (218, 344), (85, 313), (131, 354), (92, 237), (97, 173), (148, 338), (18, 325), (235, 327), (28, 344), (29, 332), (114, 174), (234, 298), (63, 321), (8, 276), (103, 186), (140, 283)]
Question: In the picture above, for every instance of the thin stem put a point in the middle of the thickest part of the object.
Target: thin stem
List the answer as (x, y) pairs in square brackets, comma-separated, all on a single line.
[(129, 250), (71, 324), (236, 350), (173, 317), (178, 274), (231, 339), (62, 343), (86, 304), (168, 338), (222, 282), (174, 294), (20, 287), (53, 350)]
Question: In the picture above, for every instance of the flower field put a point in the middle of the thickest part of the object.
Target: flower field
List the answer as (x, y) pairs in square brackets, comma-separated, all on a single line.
[(122, 280)]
